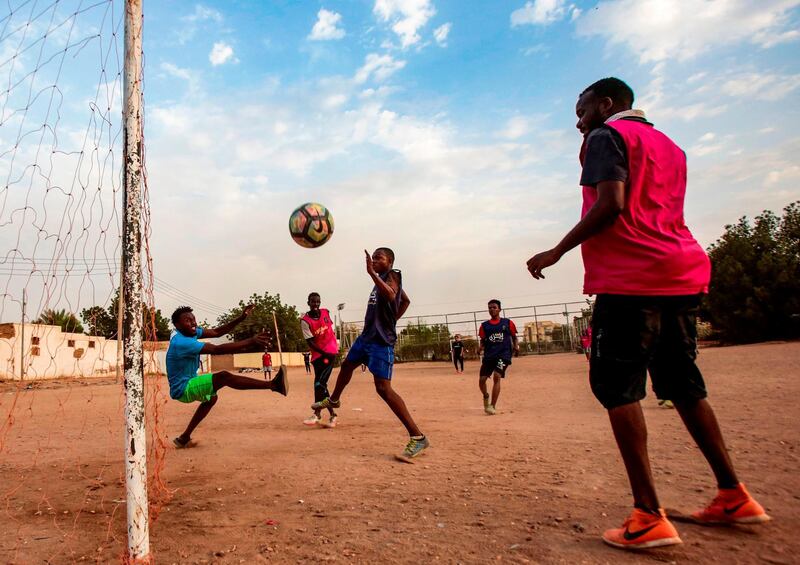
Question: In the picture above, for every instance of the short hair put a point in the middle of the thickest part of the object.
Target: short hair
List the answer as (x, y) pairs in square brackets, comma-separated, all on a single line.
[(612, 87), (180, 311), (310, 294), (495, 301), (389, 253)]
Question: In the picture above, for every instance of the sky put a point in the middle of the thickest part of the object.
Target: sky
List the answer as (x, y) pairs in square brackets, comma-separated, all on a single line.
[(443, 129)]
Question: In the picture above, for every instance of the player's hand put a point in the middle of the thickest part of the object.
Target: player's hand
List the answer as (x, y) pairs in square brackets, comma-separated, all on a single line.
[(248, 310), (370, 270), (541, 261), (262, 339)]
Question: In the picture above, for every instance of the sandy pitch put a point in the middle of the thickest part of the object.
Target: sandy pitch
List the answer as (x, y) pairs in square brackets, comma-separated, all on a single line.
[(538, 483)]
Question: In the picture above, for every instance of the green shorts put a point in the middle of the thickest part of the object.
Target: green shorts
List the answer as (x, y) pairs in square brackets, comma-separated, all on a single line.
[(199, 389)]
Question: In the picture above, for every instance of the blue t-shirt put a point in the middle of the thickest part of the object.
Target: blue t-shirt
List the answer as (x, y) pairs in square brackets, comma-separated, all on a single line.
[(183, 360), (380, 321)]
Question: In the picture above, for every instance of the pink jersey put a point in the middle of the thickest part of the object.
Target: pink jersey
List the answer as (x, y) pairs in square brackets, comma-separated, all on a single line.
[(649, 250), (321, 331)]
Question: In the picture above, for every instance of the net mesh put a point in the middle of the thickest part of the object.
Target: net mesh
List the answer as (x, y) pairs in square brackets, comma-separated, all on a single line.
[(61, 448)]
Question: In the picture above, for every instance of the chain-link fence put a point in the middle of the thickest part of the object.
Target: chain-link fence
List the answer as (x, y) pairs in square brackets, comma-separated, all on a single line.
[(542, 328)]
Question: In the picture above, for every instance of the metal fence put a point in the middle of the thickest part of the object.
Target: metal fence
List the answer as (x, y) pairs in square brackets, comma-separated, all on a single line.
[(541, 328)]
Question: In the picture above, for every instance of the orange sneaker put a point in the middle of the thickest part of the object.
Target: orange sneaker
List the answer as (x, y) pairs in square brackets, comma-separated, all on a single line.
[(732, 506), (643, 530)]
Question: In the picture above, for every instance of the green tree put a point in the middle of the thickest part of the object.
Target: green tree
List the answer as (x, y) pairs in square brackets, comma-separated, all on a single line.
[(261, 320), (755, 285), (67, 321), (103, 322), (423, 333)]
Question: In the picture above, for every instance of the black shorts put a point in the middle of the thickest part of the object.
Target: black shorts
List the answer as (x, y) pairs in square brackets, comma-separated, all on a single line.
[(634, 334), (495, 365)]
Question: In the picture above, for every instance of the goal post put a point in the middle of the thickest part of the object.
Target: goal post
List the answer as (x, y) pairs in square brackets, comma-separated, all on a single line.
[(132, 290)]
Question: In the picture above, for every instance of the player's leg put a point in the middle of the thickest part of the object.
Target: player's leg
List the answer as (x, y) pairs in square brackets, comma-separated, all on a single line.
[(461, 361), (240, 382), (677, 378), (323, 368), (383, 387), (485, 371), (199, 415), (355, 357), (496, 378), (625, 330), (455, 361)]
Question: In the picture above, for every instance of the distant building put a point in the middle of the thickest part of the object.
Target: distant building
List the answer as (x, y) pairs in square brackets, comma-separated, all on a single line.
[(540, 332)]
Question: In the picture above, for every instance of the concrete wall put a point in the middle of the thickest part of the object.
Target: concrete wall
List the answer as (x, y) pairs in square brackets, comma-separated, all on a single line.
[(50, 353), (253, 360), (45, 352)]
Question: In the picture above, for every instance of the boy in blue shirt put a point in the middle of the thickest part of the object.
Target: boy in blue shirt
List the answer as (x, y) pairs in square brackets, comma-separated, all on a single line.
[(183, 360), (375, 346), (498, 340)]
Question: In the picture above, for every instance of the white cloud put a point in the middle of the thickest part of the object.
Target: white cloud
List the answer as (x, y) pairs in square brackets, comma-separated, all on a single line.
[(762, 86), (516, 127), (221, 53), (407, 17), (379, 67), (192, 22), (325, 27), (440, 34), (191, 78), (540, 12), (658, 30)]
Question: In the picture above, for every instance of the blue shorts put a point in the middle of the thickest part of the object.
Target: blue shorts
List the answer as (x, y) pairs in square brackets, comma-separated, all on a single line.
[(378, 357)]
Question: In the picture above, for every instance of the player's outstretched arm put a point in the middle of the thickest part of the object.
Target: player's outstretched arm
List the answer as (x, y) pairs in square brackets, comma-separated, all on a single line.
[(257, 342), (227, 328), (610, 204)]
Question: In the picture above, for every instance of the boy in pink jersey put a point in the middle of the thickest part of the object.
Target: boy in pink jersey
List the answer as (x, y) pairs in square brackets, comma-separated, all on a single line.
[(318, 331), (649, 274)]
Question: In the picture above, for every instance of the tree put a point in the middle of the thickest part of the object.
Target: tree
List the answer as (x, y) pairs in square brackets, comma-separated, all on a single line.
[(423, 333), (103, 322), (755, 285), (67, 321), (260, 320)]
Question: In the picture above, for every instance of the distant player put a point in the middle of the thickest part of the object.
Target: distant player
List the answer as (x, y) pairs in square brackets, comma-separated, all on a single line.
[(183, 360), (498, 341), (649, 274), (266, 364), (375, 346), (318, 331), (307, 362), (457, 352), (586, 341)]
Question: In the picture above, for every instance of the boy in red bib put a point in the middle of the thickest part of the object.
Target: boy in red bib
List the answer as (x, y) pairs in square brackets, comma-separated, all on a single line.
[(318, 331), (649, 274)]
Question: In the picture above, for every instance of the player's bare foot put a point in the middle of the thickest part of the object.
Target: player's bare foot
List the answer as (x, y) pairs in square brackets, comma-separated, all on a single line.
[(183, 443)]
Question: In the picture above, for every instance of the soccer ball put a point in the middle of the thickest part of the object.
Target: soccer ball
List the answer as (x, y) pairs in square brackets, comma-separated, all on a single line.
[(311, 225)]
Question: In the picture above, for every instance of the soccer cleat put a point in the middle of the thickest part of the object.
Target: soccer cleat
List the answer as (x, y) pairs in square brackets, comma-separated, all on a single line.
[(643, 530), (330, 423), (666, 404), (280, 384), (732, 506), (326, 403), (313, 420), (414, 448), (490, 410)]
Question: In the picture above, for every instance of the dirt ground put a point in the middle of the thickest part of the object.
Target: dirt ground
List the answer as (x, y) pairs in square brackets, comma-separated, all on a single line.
[(538, 483)]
